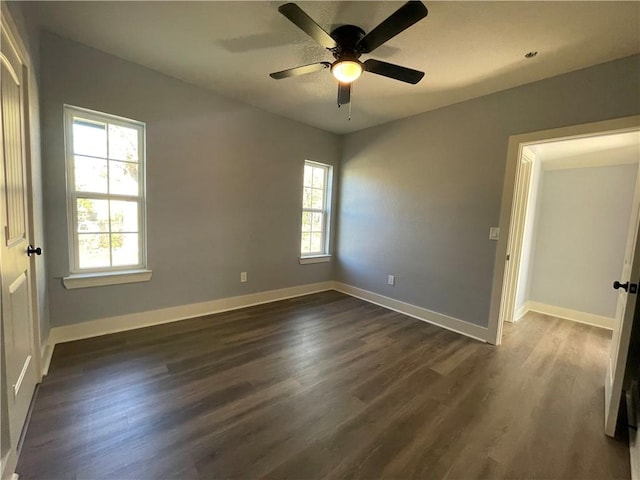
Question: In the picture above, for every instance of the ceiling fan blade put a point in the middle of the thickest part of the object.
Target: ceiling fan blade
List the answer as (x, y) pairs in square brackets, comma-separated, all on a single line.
[(397, 22), (344, 93), (391, 70), (303, 70), (305, 23)]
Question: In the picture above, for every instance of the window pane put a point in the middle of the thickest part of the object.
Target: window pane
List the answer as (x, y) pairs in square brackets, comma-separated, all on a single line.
[(89, 138), (93, 250), (306, 221), (93, 215), (316, 242), (317, 198), (308, 175), (305, 244), (318, 177), (124, 249), (90, 174), (123, 178), (124, 216), (307, 197), (316, 222), (123, 143)]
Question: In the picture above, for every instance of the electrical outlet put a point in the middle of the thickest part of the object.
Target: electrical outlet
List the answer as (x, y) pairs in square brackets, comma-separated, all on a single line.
[(494, 233), (391, 280), (243, 277)]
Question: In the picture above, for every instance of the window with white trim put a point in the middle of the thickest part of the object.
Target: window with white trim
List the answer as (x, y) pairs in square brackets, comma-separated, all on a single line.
[(105, 160), (316, 206)]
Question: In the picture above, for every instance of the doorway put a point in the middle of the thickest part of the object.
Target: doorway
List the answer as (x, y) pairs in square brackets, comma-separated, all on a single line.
[(516, 191), (573, 227)]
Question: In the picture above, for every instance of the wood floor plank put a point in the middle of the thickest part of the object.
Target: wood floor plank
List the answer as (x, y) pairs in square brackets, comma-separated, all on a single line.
[(324, 386)]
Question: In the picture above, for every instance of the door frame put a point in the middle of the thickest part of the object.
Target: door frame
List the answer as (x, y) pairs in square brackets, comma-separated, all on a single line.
[(516, 235), (7, 23), (511, 217)]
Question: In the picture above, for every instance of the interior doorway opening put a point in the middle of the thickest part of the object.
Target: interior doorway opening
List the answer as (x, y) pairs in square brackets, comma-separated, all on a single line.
[(576, 207), (574, 148)]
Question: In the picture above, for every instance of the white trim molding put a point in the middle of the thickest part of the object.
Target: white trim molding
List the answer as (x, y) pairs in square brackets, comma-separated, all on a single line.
[(8, 465), (315, 259), (521, 312), (450, 323), (100, 279), (46, 353), (132, 321), (569, 314)]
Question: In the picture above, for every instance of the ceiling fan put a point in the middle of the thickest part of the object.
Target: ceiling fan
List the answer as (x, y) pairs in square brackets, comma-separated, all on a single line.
[(348, 42)]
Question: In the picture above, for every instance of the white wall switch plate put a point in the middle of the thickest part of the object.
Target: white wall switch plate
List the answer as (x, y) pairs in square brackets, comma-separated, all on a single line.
[(391, 280), (243, 277), (494, 233)]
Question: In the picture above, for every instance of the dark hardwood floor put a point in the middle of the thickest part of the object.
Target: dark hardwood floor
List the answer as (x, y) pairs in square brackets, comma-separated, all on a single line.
[(324, 386)]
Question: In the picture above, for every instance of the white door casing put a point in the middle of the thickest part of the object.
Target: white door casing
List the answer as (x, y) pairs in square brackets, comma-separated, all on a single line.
[(516, 237), (15, 266), (623, 321)]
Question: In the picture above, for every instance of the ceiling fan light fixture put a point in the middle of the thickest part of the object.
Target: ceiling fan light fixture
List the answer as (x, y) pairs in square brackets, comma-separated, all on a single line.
[(346, 71)]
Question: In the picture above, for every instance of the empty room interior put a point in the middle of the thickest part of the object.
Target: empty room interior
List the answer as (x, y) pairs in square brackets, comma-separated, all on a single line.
[(320, 239)]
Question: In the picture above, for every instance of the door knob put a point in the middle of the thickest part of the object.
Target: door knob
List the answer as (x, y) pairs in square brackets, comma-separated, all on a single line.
[(627, 287), (31, 251)]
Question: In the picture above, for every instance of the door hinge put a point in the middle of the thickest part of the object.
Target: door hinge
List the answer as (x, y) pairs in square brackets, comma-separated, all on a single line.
[(508, 257)]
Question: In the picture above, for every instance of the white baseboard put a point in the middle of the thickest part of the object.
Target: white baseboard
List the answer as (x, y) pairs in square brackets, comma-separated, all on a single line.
[(455, 325), (568, 314), (46, 352), (521, 312), (120, 323), (8, 465)]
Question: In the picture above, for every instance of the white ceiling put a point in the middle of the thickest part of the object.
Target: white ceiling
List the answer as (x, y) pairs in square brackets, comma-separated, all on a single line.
[(591, 151), (574, 147), (467, 49)]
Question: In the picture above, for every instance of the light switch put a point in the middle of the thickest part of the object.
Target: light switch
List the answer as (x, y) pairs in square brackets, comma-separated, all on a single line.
[(494, 233)]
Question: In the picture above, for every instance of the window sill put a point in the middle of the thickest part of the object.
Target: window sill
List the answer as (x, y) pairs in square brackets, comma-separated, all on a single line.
[(315, 259), (99, 279)]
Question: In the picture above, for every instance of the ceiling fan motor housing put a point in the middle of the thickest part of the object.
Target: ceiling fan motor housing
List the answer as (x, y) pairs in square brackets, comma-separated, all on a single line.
[(347, 37)]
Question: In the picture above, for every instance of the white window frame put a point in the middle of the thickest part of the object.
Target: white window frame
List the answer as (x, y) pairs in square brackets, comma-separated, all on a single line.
[(89, 277), (324, 255)]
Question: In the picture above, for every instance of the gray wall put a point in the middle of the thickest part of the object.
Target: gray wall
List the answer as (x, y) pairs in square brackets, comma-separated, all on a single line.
[(418, 195), (581, 237), (224, 186)]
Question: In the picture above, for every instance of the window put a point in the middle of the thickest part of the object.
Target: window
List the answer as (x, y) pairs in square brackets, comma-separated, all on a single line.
[(105, 158), (316, 205)]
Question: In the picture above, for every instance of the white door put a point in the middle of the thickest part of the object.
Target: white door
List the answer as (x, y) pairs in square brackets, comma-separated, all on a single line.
[(17, 325), (623, 322)]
